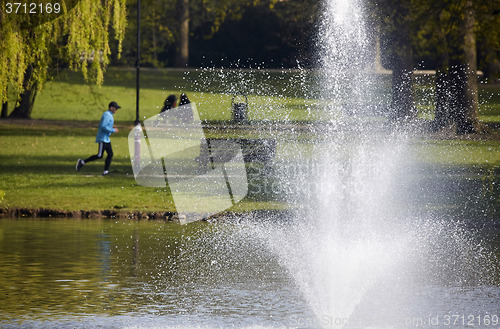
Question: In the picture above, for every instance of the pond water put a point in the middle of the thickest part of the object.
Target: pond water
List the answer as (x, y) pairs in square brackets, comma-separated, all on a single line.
[(59, 273)]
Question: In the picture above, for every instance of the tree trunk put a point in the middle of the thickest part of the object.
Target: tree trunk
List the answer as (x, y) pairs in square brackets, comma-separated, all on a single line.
[(155, 52), (182, 50), (458, 102), (5, 109), (24, 106), (456, 80), (464, 75), (442, 112), (471, 90)]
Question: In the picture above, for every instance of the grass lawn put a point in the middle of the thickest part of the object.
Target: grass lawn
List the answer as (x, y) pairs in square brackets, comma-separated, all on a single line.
[(37, 170), (68, 97), (37, 158), (272, 95)]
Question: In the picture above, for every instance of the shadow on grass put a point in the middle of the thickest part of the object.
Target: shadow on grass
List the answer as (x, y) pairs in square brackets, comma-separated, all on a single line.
[(41, 128), (126, 77), (59, 165)]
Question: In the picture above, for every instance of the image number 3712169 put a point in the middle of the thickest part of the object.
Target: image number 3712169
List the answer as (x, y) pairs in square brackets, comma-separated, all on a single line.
[(25, 15)]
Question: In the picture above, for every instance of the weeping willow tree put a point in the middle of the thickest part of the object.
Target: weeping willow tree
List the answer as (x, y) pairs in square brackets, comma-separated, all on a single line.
[(77, 35)]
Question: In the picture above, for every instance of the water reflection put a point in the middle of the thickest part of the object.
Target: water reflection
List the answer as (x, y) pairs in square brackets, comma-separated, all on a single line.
[(138, 274), (59, 269)]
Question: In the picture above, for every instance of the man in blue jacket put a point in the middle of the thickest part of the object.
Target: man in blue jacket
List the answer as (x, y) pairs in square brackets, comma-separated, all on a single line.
[(106, 128)]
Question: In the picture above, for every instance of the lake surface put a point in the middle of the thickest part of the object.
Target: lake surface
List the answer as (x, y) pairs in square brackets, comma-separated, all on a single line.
[(57, 273)]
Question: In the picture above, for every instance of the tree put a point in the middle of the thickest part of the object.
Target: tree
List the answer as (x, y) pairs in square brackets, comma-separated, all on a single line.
[(456, 82), (158, 34), (27, 96), (5, 109), (182, 50), (279, 37), (466, 115), (162, 39), (446, 33), (79, 37), (450, 29), (205, 18)]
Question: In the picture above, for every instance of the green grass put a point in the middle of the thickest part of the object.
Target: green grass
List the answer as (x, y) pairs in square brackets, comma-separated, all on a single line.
[(273, 95), (68, 97), (37, 158), (489, 109), (466, 153), (37, 170)]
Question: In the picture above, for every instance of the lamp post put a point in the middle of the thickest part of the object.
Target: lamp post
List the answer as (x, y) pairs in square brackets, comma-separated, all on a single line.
[(137, 129), (137, 64)]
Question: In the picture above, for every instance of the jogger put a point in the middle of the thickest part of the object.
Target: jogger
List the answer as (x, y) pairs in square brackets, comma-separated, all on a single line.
[(105, 130)]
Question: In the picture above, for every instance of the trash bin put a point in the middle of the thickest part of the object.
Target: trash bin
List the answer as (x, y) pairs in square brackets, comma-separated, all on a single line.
[(239, 108)]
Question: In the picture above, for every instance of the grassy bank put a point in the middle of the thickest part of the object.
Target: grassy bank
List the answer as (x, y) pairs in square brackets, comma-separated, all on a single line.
[(37, 157), (37, 170)]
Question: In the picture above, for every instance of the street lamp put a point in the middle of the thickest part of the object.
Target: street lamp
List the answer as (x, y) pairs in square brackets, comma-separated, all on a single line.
[(137, 64)]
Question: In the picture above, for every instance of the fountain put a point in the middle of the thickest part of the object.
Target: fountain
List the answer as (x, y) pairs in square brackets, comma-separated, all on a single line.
[(357, 253), (356, 250)]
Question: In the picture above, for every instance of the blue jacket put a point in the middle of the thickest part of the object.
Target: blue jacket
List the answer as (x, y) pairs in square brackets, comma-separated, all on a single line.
[(105, 128)]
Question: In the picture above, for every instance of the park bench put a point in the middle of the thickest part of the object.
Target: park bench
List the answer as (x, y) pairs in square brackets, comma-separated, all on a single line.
[(221, 150)]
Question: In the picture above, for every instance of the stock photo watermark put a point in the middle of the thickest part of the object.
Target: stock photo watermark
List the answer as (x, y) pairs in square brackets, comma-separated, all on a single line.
[(204, 176), (454, 320), (327, 321), (429, 321)]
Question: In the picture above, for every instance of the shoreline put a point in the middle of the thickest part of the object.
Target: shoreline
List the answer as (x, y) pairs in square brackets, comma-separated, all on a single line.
[(169, 216), (258, 215), (83, 214)]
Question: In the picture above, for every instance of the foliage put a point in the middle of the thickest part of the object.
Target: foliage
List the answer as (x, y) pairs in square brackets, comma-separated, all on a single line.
[(158, 32), (393, 17), (79, 38), (437, 27), (284, 36), (488, 34), (88, 34), (215, 26), (217, 12), (434, 28)]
